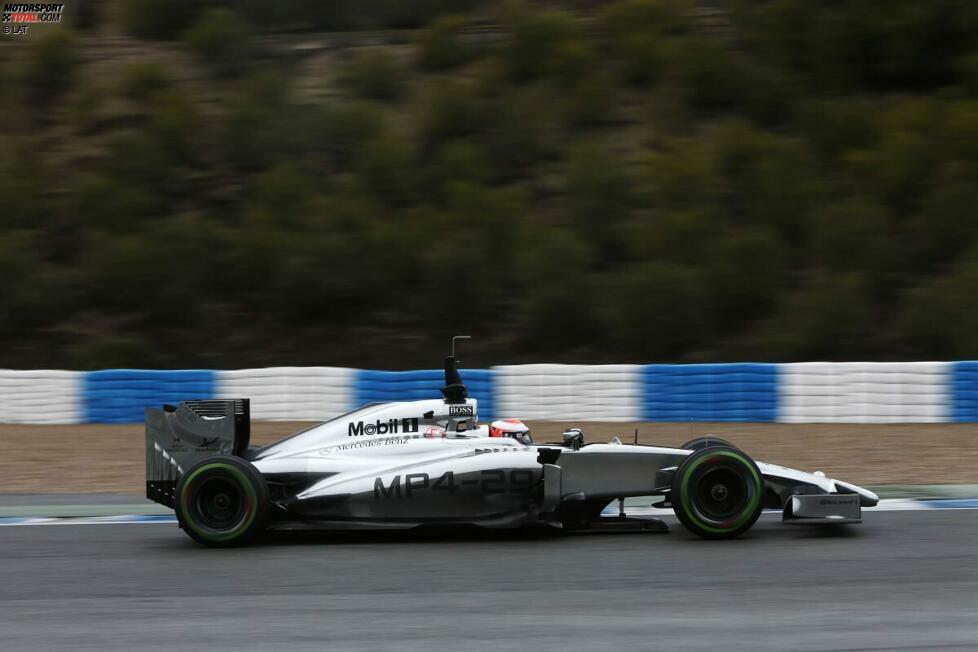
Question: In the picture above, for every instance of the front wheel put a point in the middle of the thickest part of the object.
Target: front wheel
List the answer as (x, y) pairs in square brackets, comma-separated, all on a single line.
[(222, 501), (717, 492)]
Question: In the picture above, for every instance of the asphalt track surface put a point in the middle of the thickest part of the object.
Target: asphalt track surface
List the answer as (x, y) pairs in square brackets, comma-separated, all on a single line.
[(899, 581)]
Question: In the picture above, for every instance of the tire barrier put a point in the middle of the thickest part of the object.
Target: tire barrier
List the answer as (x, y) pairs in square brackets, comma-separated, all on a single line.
[(710, 392), (41, 396), (291, 393), (121, 395), (558, 392), (804, 392), (964, 391), (863, 392)]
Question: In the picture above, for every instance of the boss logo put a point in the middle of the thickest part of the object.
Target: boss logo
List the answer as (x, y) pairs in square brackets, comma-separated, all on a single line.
[(389, 427), (460, 411)]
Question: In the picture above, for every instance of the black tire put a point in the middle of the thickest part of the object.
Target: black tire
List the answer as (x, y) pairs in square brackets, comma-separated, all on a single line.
[(705, 442), (222, 501), (718, 492)]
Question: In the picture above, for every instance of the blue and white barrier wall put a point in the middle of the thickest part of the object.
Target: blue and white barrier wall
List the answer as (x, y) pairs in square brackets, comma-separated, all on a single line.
[(296, 393), (807, 392), (41, 396), (120, 395), (554, 392)]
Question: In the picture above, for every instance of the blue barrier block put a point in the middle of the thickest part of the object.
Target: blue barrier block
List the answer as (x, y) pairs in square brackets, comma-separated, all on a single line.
[(120, 395), (743, 391), (964, 391), (374, 386)]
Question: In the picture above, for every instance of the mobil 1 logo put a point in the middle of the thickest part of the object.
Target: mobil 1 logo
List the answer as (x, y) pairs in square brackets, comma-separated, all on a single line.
[(378, 427)]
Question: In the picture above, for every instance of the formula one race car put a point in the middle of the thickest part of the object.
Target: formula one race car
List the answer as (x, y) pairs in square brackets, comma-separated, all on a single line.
[(415, 463)]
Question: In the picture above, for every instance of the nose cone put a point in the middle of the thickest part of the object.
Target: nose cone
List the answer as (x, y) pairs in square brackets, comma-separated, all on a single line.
[(867, 497)]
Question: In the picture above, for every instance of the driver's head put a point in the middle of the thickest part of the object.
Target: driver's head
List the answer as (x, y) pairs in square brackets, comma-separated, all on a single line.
[(513, 428)]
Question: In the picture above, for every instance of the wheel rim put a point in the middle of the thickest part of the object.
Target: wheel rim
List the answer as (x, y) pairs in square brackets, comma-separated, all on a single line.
[(720, 493), (220, 504)]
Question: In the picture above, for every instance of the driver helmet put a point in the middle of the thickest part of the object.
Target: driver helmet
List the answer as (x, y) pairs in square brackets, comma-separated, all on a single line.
[(513, 428)]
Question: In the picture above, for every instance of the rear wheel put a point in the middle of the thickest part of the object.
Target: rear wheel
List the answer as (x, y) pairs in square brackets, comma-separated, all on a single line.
[(717, 492), (222, 501)]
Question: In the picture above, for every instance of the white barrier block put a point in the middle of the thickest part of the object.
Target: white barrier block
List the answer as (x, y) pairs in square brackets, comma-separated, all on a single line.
[(864, 392), (41, 396), (558, 392), (290, 393)]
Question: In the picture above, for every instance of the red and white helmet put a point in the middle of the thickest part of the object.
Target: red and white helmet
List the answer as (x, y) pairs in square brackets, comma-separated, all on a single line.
[(511, 428)]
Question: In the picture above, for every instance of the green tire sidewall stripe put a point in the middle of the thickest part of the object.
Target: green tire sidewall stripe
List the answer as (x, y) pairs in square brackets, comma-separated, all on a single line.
[(751, 507), (207, 532)]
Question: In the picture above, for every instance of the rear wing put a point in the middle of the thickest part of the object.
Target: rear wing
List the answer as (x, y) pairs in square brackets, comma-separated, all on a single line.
[(179, 437)]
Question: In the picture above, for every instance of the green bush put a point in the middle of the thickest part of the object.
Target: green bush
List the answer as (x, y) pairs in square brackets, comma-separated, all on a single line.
[(20, 160), (966, 72), (706, 73), (156, 19), (830, 317), (458, 160), (666, 17), (18, 271), (542, 42), (177, 126), (138, 163), (52, 63), (555, 268), (681, 236), (118, 272), (144, 79), (256, 127), (746, 272), (349, 15), (590, 101), (840, 125), (443, 46), (640, 35), (102, 203), (520, 129), (906, 45), (765, 179), (221, 40), (850, 234), (376, 75), (387, 167), (944, 226), (449, 109), (347, 128), (280, 199), (600, 195), (940, 316), (656, 311), (684, 174)]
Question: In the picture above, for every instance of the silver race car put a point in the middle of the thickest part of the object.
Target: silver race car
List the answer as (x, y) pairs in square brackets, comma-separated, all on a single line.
[(416, 463)]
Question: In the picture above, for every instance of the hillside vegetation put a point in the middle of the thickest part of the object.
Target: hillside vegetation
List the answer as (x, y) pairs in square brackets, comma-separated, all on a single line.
[(352, 182)]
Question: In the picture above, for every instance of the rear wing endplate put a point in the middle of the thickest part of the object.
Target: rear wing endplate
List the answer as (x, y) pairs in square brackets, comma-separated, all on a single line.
[(179, 437)]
